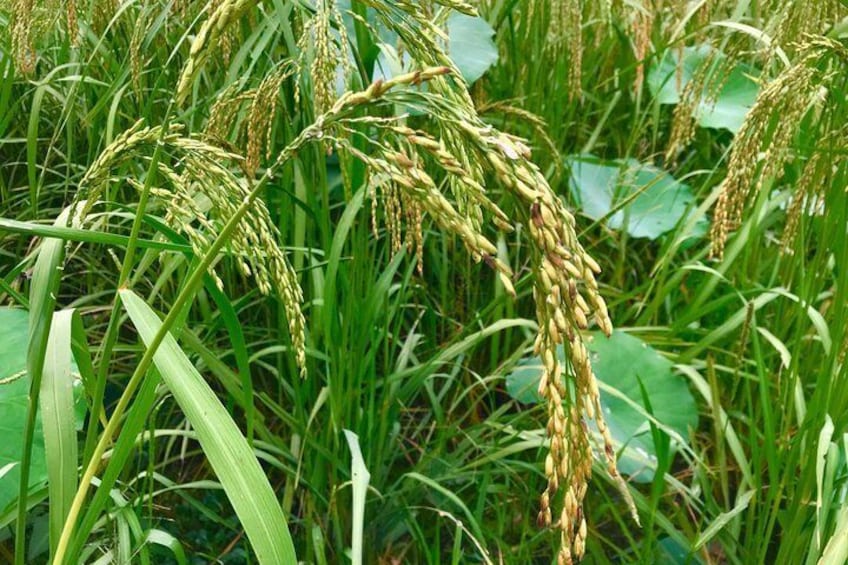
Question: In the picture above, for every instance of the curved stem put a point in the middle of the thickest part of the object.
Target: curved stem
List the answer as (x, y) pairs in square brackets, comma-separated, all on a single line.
[(345, 103), (186, 294)]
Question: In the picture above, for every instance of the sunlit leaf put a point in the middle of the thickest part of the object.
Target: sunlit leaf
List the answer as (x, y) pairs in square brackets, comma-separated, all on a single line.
[(471, 45), (14, 397), (224, 445)]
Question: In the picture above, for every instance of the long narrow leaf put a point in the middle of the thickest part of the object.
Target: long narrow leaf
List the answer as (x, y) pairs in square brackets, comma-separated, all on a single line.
[(58, 422), (60, 231), (359, 478), (46, 276), (123, 449), (228, 452)]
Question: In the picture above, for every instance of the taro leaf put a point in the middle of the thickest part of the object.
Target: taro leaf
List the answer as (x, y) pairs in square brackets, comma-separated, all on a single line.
[(471, 45), (389, 63), (14, 396), (737, 90), (620, 362), (660, 201), (672, 552), (523, 382)]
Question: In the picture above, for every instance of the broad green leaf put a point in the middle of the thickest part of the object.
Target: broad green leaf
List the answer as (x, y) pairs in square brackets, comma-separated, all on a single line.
[(737, 90), (14, 396), (672, 552), (229, 454), (620, 362), (522, 383), (639, 198), (471, 45), (14, 400)]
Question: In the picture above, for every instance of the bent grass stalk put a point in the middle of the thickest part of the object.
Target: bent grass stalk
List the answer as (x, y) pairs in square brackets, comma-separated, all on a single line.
[(196, 279), (46, 278), (111, 337), (566, 290)]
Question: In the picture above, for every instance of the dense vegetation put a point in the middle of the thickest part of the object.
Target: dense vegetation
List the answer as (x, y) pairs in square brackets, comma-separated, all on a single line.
[(331, 280)]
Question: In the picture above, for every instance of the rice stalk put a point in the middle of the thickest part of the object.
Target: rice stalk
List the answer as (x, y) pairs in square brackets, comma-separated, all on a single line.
[(313, 133), (442, 170), (72, 23), (764, 143), (203, 173), (330, 55), (642, 23), (21, 26), (102, 12), (703, 88), (136, 57), (565, 290), (210, 34), (467, 151), (796, 18), (263, 111)]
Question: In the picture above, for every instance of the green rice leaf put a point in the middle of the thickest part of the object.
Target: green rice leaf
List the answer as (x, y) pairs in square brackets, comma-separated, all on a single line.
[(58, 418), (225, 446), (360, 478)]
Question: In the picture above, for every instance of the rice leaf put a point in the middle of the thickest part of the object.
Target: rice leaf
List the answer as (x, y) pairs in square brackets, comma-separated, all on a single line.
[(360, 478), (225, 446), (46, 276), (59, 422)]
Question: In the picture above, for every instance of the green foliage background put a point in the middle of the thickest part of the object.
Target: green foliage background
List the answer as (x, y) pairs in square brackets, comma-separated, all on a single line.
[(725, 379)]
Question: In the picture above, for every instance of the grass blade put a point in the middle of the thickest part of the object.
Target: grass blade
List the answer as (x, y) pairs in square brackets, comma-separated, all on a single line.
[(723, 519), (123, 448), (228, 452), (46, 276), (61, 231), (836, 551), (58, 421), (164, 539), (360, 478)]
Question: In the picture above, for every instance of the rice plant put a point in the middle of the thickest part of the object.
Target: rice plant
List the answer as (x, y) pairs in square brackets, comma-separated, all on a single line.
[(415, 282)]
